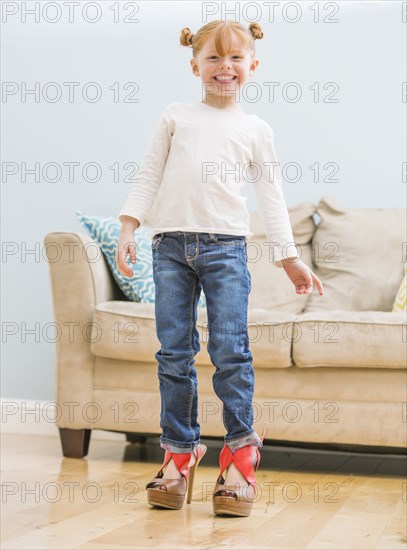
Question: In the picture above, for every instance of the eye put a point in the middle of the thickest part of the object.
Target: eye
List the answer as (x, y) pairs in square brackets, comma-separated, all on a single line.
[(234, 56)]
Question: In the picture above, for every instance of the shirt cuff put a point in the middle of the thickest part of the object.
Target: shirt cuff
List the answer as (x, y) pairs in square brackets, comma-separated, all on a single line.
[(132, 214), (281, 253)]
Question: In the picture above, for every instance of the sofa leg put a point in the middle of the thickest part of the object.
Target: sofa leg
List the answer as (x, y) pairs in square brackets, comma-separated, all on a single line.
[(75, 443), (135, 438)]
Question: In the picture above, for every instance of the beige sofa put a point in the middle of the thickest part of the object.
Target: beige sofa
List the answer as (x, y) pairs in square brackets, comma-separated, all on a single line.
[(330, 371)]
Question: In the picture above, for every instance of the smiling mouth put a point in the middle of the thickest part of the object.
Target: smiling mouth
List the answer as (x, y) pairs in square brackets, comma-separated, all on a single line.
[(223, 79)]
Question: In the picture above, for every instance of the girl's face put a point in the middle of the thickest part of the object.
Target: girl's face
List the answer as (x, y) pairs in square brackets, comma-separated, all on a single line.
[(236, 66)]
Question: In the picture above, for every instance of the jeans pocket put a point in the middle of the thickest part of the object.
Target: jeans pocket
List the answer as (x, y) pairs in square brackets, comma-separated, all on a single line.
[(157, 238), (229, 239)]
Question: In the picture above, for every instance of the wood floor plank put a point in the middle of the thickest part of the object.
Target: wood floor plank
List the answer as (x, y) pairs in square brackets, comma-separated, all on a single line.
[(365, 515), (305, 503), (394, 535), (69, 533), (306, 499)]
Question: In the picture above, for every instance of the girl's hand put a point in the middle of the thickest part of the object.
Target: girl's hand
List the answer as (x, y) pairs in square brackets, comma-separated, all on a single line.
[(302, 276), (125, 246)]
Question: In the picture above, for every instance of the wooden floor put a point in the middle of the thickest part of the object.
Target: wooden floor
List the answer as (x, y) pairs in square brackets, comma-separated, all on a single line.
[(307, 499)]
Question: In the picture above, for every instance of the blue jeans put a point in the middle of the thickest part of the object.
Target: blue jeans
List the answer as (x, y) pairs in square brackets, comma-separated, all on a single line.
[(184, 264)]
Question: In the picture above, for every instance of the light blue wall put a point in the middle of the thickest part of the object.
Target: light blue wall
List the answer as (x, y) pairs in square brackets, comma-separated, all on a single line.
[(364, 132)]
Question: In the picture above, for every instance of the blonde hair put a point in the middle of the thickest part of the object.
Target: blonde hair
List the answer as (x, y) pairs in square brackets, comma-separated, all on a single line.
[(223, 36)]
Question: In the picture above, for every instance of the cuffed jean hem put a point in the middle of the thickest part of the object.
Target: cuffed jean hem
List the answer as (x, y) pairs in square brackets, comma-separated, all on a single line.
[(175, 447), (244, 439)]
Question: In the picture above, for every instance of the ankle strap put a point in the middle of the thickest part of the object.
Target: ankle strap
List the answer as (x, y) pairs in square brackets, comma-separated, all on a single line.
[(242, 459), (181, 460)]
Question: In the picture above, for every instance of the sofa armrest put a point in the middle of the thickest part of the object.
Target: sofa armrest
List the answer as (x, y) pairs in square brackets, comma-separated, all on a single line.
[(80, 279), (80, 276)]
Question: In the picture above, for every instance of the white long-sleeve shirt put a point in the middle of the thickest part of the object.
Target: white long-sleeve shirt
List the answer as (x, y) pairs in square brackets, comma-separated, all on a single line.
[(197, 162)]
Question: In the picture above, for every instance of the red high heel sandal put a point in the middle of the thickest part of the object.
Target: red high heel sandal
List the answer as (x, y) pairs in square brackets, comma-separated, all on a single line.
[(234, 500), (170, 493)]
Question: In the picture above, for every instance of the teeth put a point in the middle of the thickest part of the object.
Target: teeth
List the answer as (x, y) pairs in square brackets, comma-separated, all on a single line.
[(225, 78)]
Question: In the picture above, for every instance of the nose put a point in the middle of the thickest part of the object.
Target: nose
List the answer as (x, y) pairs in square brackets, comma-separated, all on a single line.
[(226, 64)]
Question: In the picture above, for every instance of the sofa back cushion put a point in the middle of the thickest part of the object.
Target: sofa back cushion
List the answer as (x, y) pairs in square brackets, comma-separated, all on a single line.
[(358, 255), (271, 288)]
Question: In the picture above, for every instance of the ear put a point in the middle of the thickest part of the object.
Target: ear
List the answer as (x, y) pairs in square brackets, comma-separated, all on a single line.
[(194, 66), (254, 65)]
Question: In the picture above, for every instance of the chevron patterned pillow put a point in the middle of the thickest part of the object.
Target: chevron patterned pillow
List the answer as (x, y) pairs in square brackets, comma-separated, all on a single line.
[(106, 231), (400, 303)]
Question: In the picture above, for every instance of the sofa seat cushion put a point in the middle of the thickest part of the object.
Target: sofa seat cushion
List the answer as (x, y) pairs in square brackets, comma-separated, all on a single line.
[(127, 331), (364, 339)]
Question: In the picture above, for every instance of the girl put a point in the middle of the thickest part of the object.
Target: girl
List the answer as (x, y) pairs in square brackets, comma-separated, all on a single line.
[(199, 157)]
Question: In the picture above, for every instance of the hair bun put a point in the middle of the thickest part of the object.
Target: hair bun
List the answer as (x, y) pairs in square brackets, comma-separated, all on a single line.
[(186, 36), (256, 31)]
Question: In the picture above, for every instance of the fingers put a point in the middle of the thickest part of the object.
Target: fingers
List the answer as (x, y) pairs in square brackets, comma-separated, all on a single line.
[(318, 283), (123, 267), (304, 289), (121, 264), (132, 252), (307, 288)]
